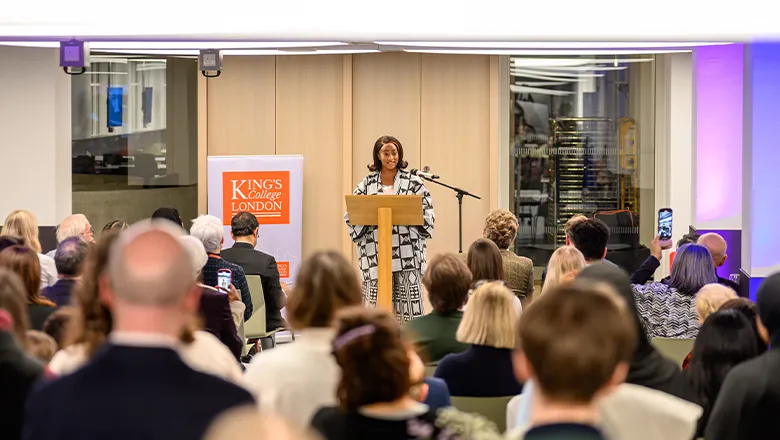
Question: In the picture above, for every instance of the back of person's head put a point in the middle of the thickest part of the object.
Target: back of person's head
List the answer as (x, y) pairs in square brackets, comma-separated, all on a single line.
[(577, 218), (246, 423), (373, 358), (692, 269), (57, 325), (491, 317), (70, 256), (716, 244), (501, 228), (711, 297), (114, 225), (688, 239), (325, 284), (170, 214), (725, 340), (484, 261), (23, 224), (149, 266), (41, 345), (75, 225), (590, 236), (24, 262), (750, 311), (447, 280), (196, 253), (209, 230), (244, 224), (564, 263), (7, 241), (768, 304), (92, 321), (575, 342), (13, 299)]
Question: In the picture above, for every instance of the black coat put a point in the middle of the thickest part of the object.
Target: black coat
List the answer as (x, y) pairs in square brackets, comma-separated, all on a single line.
[(18, 374), (218, 319)]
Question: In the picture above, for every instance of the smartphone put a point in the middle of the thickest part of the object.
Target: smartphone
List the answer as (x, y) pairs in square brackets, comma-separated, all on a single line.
[(224, 279), (665, 227)]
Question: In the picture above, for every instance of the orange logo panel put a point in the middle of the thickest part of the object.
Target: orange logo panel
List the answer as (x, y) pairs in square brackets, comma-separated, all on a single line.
[(266, 194), (284, 269)]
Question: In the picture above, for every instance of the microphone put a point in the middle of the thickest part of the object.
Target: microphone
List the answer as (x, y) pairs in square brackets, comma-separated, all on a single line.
[(423, 174)]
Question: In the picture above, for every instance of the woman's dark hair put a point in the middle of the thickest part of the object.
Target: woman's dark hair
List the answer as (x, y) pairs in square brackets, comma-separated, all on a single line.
[(377, 165), (13, 299), (7, 241), (326, 283), (171, 214), (484, 261), (749, 309), (118, 225), (725, 340), (25, 263), (447, 280), (373, 358), (692, 269)]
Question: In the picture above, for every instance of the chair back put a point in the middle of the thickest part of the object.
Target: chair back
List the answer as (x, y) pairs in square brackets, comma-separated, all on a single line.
[(492, 408), (674, 349), (512, 411), (255, 327)]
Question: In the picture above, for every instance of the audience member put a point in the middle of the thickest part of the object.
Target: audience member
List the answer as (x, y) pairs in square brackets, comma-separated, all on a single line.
[(749, 399), (667, 309), (716, 244), (748, 308), (69, 259), (248, 424), (708, 300), (58, 324), (24, 225), (501, 228), (377, 382), (170, 214), (590, 237), (138, 386), (576, 345), (13, 299), (725, 340), (485, 369), (7, 241), (566, 262), (214, 304), (485, 263), (244, 228), (114, 225), (18, 371), (208, 229), (94, 322), (294, 380), (40, 345), (567, 232), (447, 280), (24, 263), (75, 225)]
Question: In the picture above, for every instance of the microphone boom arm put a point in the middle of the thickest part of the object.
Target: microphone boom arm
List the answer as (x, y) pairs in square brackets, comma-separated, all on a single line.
[(459, 193)]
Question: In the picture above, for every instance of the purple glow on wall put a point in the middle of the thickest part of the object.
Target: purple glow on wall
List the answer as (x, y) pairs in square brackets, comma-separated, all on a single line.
[(764, 100), (718, 74)]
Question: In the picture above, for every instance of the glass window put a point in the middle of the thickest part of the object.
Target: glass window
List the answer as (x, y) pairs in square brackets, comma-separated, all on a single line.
[(576, 150), (134, 125)]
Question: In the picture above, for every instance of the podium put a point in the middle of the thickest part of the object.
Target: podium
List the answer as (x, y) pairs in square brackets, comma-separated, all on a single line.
[(385, 211)]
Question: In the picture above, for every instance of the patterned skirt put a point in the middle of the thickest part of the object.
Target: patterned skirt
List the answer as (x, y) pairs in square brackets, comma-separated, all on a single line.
[(407, 295)]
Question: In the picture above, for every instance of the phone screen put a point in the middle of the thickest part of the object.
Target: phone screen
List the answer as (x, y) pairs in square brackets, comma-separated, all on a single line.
[(665, 224), (224, 279)]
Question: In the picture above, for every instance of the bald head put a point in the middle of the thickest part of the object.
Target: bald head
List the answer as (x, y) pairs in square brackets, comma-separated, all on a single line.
[(149, 266), (716, 245)]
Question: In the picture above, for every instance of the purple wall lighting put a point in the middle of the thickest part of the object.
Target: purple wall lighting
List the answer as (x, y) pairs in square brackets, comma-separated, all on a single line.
[(719, 74), (762, 104)]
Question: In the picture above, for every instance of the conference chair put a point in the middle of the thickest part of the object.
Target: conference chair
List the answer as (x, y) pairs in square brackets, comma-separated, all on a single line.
[(674, 349), (255, 329), (492, 408)]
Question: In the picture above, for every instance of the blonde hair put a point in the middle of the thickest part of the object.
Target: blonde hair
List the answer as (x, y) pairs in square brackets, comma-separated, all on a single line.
[(710, 297), (565, 261), (21, 223), (491, 317), (41, 345)]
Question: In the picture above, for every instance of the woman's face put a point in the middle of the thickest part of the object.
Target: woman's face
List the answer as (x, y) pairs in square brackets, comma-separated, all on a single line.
[(388, 154)]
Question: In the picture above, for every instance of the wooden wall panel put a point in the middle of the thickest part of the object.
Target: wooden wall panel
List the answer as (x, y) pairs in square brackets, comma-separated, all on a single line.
[(242, 107), (386, 100), (309, 121), (455, 143)]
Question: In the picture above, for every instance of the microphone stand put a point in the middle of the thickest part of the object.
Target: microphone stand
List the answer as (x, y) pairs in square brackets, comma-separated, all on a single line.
[(459, 193)]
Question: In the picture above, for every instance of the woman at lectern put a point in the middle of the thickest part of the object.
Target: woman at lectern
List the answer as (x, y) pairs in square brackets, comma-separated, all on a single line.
[(388, 176)]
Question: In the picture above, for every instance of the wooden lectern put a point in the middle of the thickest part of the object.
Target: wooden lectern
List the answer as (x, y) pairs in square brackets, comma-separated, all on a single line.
[(385, 211)]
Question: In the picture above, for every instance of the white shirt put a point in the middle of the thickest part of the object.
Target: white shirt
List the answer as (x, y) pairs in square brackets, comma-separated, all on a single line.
[(206, 353), (295, 380), (48, 271)]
